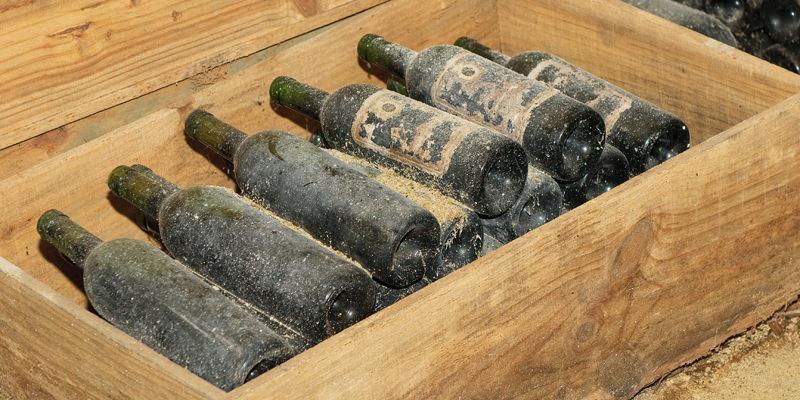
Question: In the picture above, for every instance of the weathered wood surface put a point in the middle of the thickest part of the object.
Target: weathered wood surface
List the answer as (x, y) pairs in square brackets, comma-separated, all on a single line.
[(709, 85), (65, 60), (239, 91), (52, 349), (597, 303)]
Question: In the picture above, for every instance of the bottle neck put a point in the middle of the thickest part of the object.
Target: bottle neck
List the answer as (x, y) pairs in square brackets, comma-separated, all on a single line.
[(141, 187), (478, 48), (390, 56), (298, 96), (215, 134), (71, 239)]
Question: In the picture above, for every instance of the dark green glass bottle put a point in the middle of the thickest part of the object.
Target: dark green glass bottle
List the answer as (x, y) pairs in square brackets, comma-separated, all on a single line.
[(158, 301), (336, 204), (477, 166), (461, 230), (613, 171), (688, 17), (539, 202), (781, 20), (251, 254), (560, 135), (646, 134)]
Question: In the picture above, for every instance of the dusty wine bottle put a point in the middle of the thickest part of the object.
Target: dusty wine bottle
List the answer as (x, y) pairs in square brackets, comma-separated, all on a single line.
[(539, 202), (782, 20), (336, 204), (461, 230), (251, 254), (478, 167), (687, 17), (560, 135), (613, 171), (646, 134), (158, 301)]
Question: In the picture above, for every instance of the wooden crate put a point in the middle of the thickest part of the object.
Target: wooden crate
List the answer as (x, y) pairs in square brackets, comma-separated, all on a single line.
[(598, 303)]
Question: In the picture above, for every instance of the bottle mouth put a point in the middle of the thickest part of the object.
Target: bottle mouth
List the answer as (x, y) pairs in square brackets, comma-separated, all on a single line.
[(502, 182), (581, 148), (673, 140), (347, 308), (413, 253), (612, 173)]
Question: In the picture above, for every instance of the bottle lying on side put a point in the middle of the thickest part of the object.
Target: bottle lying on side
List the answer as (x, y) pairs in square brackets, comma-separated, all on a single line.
[(472, 164), (561, 136), (461, 230), (393, 238), (240, 247), (612, 172), (646, 134), (540, 201), (688, 17), (158, 301)]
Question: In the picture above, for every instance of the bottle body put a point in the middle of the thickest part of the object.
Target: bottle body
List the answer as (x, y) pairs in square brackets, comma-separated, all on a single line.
[(612, 171), (688, 17), (782, 20), (560, 135), (540, 201), (258, 259), (158, 301), (337, 205), (474, 165), (646, 134)]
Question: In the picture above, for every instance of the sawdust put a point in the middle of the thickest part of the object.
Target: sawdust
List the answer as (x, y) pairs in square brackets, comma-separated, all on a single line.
[(763, 363)]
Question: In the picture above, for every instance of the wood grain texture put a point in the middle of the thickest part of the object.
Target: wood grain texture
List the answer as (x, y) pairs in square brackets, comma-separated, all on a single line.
[(69, 59), (239, 91), (52, 349), (709, 85), (597, 303)]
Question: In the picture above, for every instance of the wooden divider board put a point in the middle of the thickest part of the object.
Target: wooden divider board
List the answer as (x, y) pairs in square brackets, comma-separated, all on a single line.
[(69, 59)]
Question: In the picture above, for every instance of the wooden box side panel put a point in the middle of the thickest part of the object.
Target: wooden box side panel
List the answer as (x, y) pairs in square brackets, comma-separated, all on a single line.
[(69, 59), (709, 85), (597, 303), (51, 349)]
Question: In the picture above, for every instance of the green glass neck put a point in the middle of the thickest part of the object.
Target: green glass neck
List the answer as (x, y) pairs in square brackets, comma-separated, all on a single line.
[(478, 48), (298, 96), (215, 134), (390, 56), (141, 187), (71, 239)]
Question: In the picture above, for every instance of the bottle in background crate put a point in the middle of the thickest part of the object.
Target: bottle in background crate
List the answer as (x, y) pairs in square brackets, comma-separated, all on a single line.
[(476, 166), (158, 301), (251, 254), (560, 135), (688, 17), (646, 134), (390, 236)]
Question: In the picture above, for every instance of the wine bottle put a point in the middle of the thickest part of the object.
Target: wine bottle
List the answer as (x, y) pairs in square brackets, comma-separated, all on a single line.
[(461, 230), (478, 167), (158, 301), (782, 20), (687, 17), (387, 296), (251, 254), (613, 171), (646, 134), (541, 201), (560, 135), (336, 204), (782, 56)]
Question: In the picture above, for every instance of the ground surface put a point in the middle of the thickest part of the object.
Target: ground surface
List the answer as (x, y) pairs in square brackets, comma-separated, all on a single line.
[(762, 364)]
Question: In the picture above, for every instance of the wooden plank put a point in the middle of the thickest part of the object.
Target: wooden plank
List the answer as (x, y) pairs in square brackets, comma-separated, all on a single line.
[(597, 303), (709, 85), (239, 91), (52, 349), (70, 59)]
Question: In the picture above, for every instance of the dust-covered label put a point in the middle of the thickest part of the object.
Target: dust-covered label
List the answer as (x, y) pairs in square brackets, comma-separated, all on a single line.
[(608, 100), (483, 92), (408, 131)]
